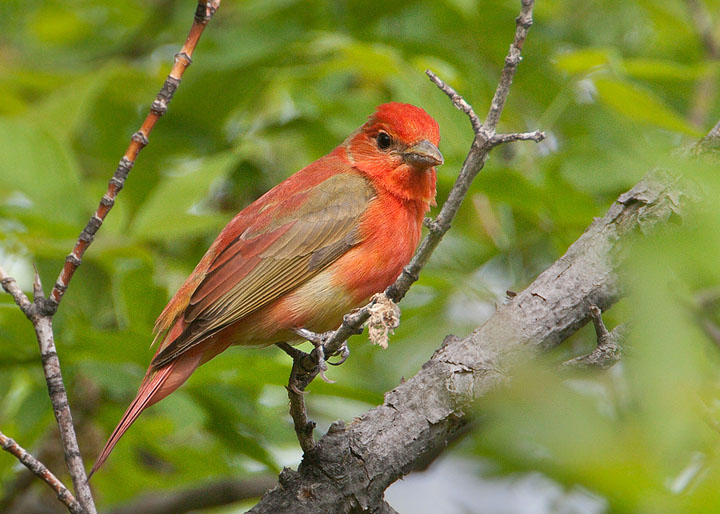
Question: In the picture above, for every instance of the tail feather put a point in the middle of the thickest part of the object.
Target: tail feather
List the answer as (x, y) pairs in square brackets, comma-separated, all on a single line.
[(155, 386)]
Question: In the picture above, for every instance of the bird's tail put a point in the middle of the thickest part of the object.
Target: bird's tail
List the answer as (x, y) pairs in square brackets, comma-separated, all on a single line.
[(156, 385)]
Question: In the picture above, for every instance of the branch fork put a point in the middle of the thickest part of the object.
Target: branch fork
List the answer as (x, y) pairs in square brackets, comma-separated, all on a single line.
[(608, 350)]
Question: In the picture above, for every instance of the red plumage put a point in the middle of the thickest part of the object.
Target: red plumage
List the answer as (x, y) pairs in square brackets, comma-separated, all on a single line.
[(309, 250)]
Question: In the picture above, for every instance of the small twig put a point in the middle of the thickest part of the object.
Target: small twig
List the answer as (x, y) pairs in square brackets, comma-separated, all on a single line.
[(709, 143), (138, 141), (608, 350), (474, 162), (59, 399), (523, 23), (499, 139), (39, 469), (601, 330), (303, 426), (457, 100), (10, 286), (54, 380)]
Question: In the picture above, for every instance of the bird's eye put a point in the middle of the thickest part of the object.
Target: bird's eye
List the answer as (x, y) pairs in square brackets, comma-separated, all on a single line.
[(383, 141)]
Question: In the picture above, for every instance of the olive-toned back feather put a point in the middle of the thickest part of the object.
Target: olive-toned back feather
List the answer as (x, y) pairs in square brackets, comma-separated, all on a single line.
[(266, 262)]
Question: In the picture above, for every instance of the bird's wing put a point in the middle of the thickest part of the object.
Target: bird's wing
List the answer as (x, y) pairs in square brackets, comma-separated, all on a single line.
[(273, 256)]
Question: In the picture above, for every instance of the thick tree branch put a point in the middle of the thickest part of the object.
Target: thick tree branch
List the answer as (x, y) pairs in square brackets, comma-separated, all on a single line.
[(39, 469), (485, 140), (352, 465)]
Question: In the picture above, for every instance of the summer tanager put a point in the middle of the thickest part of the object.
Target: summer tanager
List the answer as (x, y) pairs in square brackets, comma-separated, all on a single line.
[(308, 251)]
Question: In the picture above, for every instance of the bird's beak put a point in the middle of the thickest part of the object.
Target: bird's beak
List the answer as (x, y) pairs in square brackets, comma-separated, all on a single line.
[(423, 155)]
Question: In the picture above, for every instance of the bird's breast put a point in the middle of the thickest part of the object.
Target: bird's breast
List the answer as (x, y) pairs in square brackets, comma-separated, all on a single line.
[(391, 230)]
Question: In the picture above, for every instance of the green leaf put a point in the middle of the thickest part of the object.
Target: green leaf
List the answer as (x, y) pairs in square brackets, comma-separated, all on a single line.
[(166, 214), (641, 105), (581, 61), (662, 69), (65, 109), (226, 420), (36, 165)]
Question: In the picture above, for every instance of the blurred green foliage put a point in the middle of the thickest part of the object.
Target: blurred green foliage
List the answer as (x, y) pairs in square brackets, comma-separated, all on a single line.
[(278, 83)]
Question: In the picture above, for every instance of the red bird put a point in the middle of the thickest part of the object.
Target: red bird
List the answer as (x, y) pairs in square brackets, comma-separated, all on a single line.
[(314, 247)]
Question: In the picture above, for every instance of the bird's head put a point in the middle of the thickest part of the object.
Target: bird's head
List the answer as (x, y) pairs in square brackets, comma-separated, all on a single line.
[(397, 149)]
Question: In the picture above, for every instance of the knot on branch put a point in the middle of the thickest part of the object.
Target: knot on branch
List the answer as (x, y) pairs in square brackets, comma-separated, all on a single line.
[(182, 56), (46, 306), (524, 21), (513, 58), (140, 137), (158, 107), (205, 11)]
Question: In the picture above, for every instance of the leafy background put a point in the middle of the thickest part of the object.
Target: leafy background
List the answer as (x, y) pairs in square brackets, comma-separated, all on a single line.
[(277, 83)]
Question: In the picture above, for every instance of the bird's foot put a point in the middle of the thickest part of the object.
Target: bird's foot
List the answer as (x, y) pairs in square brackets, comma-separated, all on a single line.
[(315, 338), (320, 341), (343, 352), (318, 354), (305, 364)]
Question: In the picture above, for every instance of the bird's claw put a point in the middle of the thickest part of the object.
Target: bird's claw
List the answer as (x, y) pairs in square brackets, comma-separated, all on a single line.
[(343, 352), (318, 355), (325, 378), (292, 387), (319, 340)]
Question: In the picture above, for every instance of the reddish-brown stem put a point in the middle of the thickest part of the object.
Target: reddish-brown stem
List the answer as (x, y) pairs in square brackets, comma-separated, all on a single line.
[(138, 141)]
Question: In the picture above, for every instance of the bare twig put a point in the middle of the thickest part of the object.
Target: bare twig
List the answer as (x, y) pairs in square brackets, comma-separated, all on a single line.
[(10, 286), (523, 23), (138, 141), (18, 494), (458, 101), (485, 140), (608, 350), (536, 136), (39, 469), (41, 310), (303, 426)]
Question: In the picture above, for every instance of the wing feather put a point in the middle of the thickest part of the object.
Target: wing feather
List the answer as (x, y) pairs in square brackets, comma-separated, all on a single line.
[(273, 258)]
